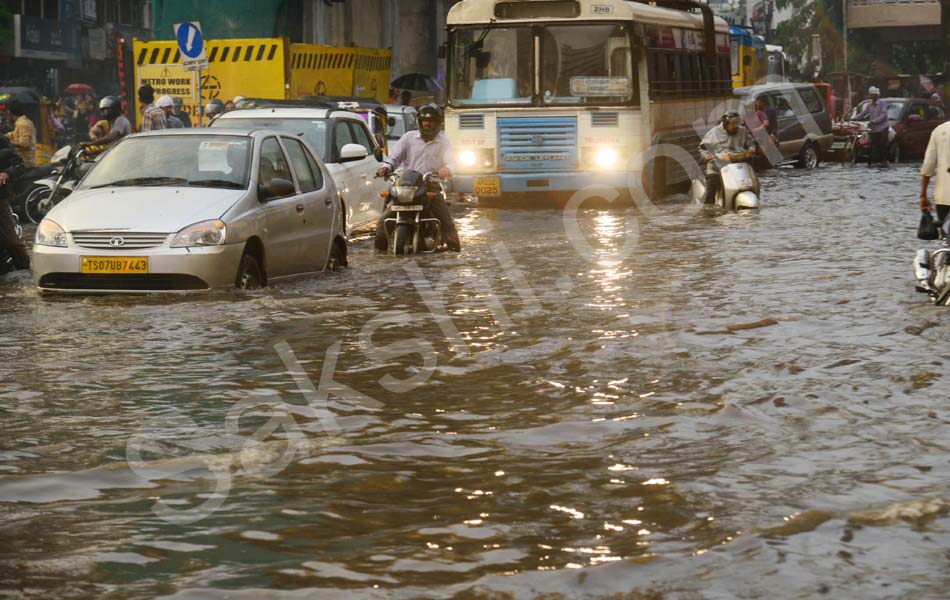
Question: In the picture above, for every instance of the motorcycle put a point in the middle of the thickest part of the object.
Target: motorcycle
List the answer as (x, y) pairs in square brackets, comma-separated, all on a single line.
[(932, 269), (27, 183), (47, 193), (740, 185), (412, 228)]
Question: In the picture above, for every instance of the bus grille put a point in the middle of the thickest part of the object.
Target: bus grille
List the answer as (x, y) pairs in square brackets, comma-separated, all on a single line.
[(528, 144)]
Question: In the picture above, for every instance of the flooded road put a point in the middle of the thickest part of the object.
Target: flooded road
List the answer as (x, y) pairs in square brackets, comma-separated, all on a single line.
[(680, 404)]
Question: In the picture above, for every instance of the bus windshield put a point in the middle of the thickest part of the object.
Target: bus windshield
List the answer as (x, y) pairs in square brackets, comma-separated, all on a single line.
[(586, 64), (492, 66)]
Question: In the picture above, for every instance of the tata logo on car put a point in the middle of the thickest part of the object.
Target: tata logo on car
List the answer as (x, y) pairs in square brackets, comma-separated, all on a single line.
[(117, 242)]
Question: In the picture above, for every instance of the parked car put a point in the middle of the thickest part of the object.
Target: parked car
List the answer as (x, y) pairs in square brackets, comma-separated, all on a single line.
[(804, 132), (343, 142), (193, 209), (402, 120), (911, 122)]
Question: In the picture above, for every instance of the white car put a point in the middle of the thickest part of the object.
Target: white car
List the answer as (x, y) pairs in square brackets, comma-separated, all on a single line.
[(342, 140), (402, 121), (193, 209)]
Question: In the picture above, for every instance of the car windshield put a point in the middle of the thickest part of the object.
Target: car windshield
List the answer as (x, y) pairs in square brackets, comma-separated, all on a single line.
[(586, 64), (174, 160), (313, 131), (492, 65)]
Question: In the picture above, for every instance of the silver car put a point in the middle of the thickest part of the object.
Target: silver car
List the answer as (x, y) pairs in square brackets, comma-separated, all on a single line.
[(193, 209)]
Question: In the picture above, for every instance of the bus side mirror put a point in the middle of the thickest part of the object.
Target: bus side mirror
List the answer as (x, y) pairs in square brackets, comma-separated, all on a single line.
[(443, 51), (391, 121), (482, 60)]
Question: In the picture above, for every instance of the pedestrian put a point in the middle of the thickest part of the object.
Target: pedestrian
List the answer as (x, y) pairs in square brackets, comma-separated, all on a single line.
[(23, 136), (424, 150), (168, 105), (11, 167), (213, 109), (153, 118), (229, 106), (876, 113), (937, 164), (180, 114)]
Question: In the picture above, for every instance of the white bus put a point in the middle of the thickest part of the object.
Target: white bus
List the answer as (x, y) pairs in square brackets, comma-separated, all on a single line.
[(555, 95)]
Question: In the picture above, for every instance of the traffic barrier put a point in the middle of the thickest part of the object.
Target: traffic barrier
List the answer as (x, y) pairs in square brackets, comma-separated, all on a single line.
[(371, 74), (321, 70)]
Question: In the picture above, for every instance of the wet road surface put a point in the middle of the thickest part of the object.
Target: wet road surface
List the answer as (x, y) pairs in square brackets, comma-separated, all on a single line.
[(675, 404)]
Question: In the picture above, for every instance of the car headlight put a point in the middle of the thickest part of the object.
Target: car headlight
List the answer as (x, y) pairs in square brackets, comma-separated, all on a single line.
[(49, 233), (206, 233)]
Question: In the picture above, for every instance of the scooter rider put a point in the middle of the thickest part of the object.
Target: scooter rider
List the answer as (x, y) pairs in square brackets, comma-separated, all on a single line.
[(725, 138), (426, 150), (110, 109), (11, 167)]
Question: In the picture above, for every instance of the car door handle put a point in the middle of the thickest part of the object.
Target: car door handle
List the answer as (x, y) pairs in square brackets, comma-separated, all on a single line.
[(328, 201), (300, 208)]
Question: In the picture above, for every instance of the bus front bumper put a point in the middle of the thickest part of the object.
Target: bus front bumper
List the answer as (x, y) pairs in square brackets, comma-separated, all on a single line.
[(542, 182)]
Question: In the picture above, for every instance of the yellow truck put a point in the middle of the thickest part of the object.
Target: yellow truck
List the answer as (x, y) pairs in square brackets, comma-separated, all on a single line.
[(262, 68)]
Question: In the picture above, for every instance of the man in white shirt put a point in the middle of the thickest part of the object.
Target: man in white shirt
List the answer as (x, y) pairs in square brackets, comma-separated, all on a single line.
[(937, 164)]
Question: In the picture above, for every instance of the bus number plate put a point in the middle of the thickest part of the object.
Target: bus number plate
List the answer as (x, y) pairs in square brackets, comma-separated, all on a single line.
[(487, 186)]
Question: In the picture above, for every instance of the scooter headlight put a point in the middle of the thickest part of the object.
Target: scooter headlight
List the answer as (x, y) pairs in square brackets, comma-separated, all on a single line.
[(49, 233)]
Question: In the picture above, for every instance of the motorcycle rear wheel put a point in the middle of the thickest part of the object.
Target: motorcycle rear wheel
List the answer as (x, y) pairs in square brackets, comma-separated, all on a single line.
[(37, 204)]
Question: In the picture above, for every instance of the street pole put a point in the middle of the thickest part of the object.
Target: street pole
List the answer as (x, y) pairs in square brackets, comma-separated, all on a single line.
[(847, 77), (201, 98)]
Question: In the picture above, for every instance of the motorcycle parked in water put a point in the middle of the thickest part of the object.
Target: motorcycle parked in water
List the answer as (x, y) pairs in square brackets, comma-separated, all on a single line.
[(740, 184), (412, 228), (49, 192), (932, 269)]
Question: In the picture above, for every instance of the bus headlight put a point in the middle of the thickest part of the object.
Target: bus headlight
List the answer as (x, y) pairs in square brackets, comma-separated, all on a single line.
[(603, 158), (476, 160)]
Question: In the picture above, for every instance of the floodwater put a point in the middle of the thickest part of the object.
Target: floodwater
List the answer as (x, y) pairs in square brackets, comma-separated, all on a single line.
[(675, 403)]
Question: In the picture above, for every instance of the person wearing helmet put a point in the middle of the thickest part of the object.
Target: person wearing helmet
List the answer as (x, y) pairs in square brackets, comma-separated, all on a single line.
[(153, 117), (180, 114), (876, 113), (214, 108), (727, 137), (425, 150), (116, 124), (168, 105)]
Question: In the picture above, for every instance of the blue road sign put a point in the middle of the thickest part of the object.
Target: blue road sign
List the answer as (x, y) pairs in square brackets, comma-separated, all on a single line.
[(190, 42)]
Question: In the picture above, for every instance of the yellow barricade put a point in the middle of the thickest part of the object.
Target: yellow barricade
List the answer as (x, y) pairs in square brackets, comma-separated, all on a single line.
[(321, 70), (253, 68), (371, 74)]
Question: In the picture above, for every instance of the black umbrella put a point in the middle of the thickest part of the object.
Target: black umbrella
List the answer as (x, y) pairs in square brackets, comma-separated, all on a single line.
[(416, 81)]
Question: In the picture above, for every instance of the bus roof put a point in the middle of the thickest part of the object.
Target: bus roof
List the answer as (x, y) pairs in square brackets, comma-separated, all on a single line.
[(482, 12)]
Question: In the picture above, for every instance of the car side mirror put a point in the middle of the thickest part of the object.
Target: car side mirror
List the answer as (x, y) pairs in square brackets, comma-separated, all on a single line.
[(914, 118), (391, 121), (351, 152), (378, 154), (278, 188)]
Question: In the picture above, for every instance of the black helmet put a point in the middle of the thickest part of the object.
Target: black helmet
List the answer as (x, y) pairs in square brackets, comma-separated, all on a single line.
[(731, 117), (433, 114), (214, 107), (110, 107)]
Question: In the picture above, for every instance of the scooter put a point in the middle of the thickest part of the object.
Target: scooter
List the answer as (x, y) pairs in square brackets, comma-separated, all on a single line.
[(49, 192), (413, 229), (932, 269), (740, 185)]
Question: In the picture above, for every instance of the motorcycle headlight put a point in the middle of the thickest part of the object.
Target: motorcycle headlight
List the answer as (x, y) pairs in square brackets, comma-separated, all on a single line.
[(49, 233), (206, 233), (405, 193)]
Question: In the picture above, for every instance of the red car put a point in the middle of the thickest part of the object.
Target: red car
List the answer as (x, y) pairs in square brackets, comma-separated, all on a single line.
[(911, 120)]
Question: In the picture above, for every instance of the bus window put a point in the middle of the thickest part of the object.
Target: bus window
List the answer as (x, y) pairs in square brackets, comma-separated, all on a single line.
[(587, 64), (492, 66)]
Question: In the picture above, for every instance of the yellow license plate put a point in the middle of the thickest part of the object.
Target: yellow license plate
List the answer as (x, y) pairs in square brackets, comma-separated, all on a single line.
[(487, 186), (115, 264)]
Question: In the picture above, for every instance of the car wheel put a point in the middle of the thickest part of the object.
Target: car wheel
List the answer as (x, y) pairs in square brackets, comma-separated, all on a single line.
[(808, 159), (337, 259), (249, 274)]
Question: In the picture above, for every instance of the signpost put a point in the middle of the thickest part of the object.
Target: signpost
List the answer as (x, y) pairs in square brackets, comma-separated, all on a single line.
[(191, 44)]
